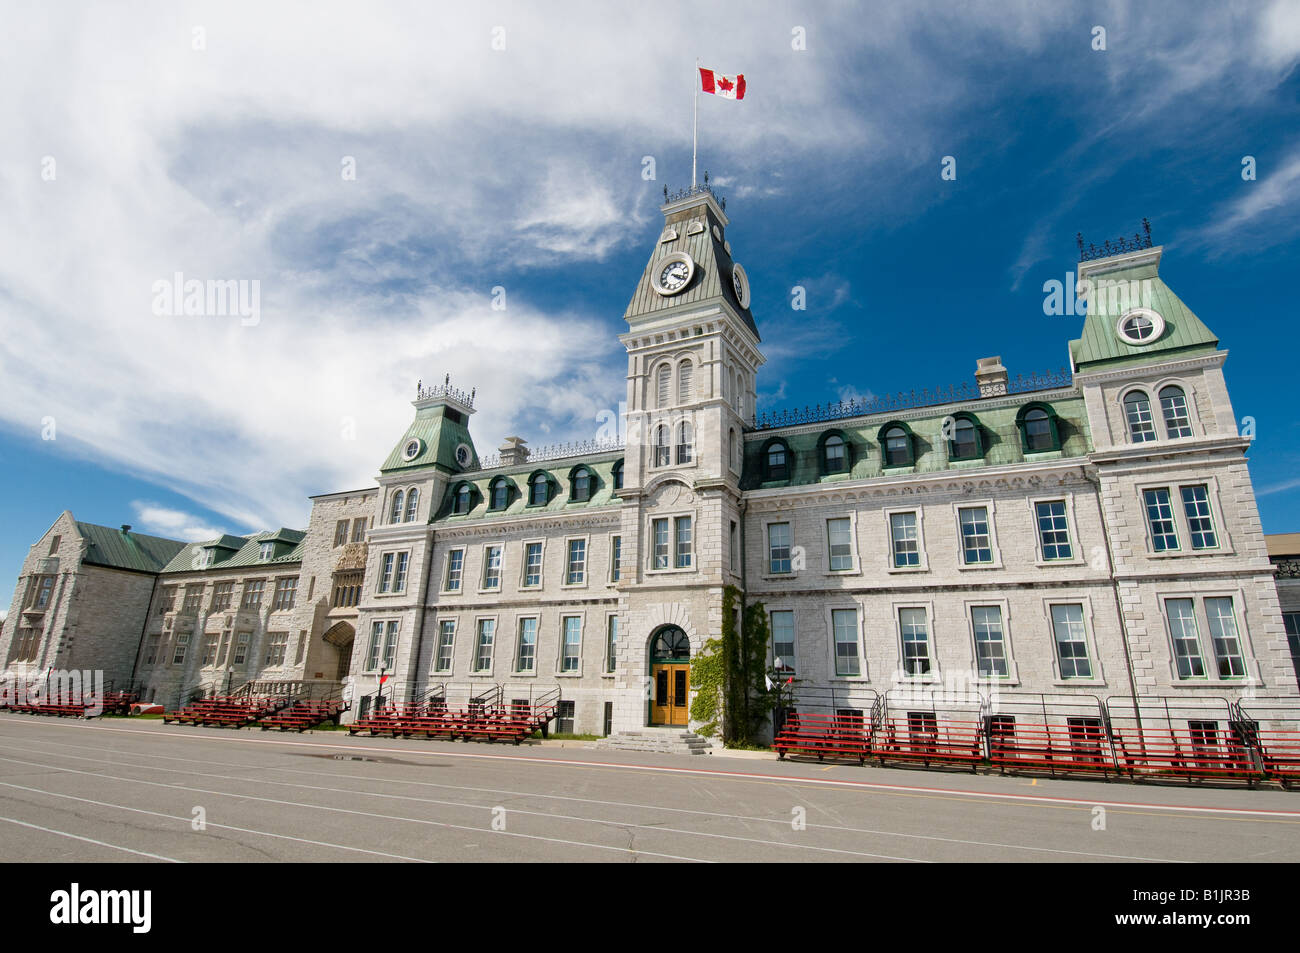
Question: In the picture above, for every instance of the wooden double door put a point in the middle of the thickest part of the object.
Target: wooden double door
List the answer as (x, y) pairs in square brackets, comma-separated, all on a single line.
[(672, 691)]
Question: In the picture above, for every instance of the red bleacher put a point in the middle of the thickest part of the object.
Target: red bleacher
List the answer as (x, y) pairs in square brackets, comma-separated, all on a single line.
[(226, 711), (484, 718), (824, 735), (301, 715)]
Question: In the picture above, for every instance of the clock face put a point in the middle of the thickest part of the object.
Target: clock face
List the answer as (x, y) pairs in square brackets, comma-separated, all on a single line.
[(673, 274), (740, 281), (463, 455)]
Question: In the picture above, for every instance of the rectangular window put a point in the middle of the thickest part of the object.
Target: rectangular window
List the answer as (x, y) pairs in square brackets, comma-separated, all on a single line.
[(182, 643), (241, 647), (572, 643), (616, 559), (446, 641), (455, 566), (347, 589), (783, 658), (1071, 641), (390, 646), (375, 647), (611, 644), (778, 547), (844, 622), (533, 564), (659, 536), (492, 567), (839, 539), (1223, 634), (1187, 641), (386, 572), (1196, 504), (1053, 530), (225, 647), (209, 648), (976, 544), (286, 591), (168, 602), (276, 645), (253, 594), (526, 657), (916, 641), (193, 596), (222, 595), (990, 642), (359, 529), (1160, 519), (487, 630), (151, 653), (682, 527), (340, 532), (906, 540), (735, 547), (576, 574)]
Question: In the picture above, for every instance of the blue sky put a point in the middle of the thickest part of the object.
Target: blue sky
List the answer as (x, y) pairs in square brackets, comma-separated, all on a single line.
[(211, 140)]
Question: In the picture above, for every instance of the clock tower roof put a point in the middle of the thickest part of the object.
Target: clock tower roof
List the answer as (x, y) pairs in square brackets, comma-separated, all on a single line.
[(439, 434), (694, 232)]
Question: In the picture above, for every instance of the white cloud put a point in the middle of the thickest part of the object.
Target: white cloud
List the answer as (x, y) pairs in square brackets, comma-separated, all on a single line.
[(1266, 209), (176, 524)]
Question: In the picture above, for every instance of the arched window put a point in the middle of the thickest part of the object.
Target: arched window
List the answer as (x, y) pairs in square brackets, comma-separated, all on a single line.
[(685, 443), (412, 503), (776, 464), (618, 475), (661, 448), (670, 644), (662, 382), (499, 494), (1038, 428), (580, 485), (965, 443), (835, 454), (395, 515), (1173, 406), (685, 379), (539, 490), (896, 447), (1137, 411), (463, 499)]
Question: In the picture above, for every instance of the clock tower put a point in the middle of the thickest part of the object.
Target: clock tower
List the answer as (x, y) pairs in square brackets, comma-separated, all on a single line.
[(692, 356)]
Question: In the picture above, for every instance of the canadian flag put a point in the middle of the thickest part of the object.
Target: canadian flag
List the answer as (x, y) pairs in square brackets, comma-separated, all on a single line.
[(728, 87)]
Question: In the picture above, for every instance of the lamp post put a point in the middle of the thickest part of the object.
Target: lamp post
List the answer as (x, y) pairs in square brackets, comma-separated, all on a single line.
[(379, 698)]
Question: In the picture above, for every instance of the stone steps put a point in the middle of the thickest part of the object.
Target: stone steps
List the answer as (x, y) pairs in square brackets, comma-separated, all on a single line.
[(662, 740)]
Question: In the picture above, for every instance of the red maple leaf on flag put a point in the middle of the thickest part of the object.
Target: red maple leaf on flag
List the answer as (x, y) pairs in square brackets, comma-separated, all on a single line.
[(725, 84)]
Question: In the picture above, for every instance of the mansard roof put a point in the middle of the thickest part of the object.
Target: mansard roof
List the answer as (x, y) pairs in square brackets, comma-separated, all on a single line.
[(247, 554), (558, 470)]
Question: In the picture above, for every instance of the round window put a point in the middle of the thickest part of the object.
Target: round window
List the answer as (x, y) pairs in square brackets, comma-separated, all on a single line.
[(1141, 326), (411, 450)]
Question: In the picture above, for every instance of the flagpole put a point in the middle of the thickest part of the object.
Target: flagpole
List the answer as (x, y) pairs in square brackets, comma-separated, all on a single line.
[(695, 122)]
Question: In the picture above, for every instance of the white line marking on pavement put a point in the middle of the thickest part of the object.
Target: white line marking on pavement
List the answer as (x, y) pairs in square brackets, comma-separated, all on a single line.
[(91, 840)]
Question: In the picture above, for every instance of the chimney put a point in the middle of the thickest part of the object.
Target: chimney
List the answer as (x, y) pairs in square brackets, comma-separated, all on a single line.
[(513, 451), (991, 376), (126, 527)]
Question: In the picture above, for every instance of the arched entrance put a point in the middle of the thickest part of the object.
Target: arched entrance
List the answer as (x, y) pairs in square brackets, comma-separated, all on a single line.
[(341, 635), (670, 676)]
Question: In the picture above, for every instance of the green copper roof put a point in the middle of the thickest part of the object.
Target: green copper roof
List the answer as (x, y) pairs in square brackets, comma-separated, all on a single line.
[(439, 436), (999, 435), (559, 470), (121, 549), (713, 267), (1142, 287), (288, 545)]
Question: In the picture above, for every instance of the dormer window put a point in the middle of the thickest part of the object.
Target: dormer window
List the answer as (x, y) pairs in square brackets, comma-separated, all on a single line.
[(777, 462), (618, 475), (499, 494), (268, 550), (965, 443), (896, 446), (835, 455), (580, 485), (463, 500), (1038, 428), (539, 490)]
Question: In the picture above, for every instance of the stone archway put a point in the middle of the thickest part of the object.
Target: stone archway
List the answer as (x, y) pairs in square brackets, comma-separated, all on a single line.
[(341, 635)]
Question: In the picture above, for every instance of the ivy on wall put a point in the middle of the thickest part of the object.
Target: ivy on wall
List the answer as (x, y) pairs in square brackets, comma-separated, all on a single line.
[(729, 675)]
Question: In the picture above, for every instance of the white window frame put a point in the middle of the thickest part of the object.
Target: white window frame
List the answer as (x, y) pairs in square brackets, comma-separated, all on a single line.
[(855, 567), (446, 570), (586, 563), (671, 519), (1183, 528), (519, 642), (608, 671), (1013, 672), (560, 671), (437, 648), (793, 666), (1089, 635), (995, 551), (1077, 559), (483, 569), (541, 564), (474, 670), (863, 662), (1189, 394), (389, 587), (615, 559), (931, 643), (919, 512), (1205, 638), (767, 572)]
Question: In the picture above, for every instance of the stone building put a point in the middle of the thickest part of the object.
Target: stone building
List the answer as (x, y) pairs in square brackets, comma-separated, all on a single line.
[(1088, 534), (1284, 551)]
